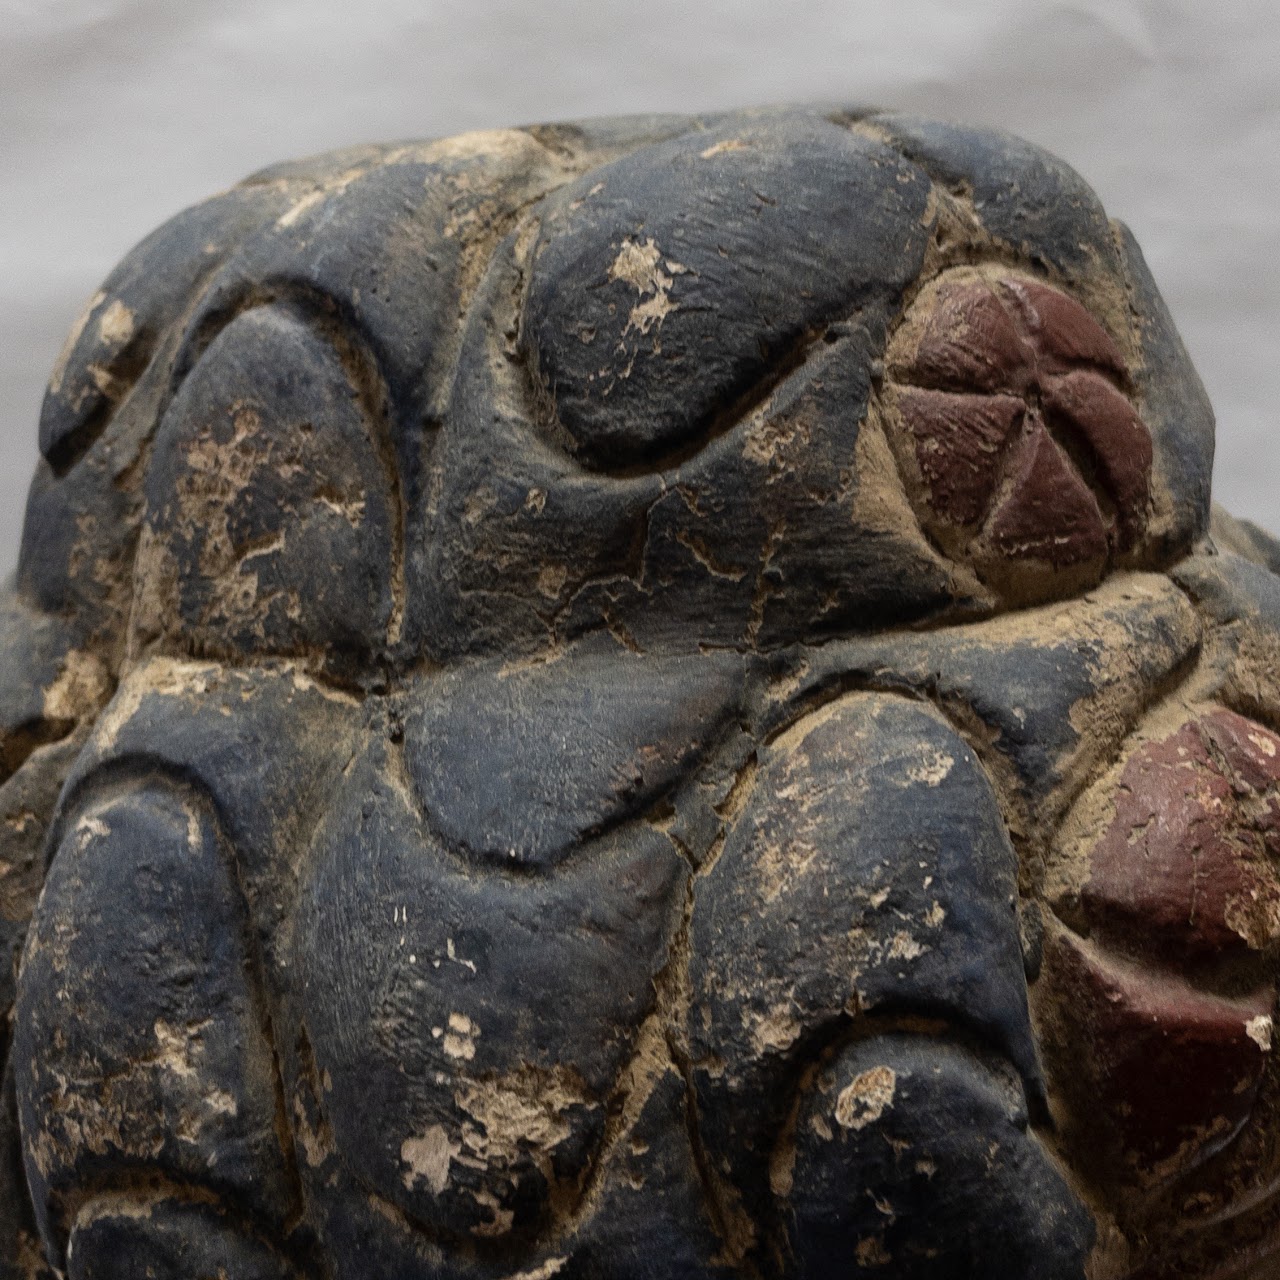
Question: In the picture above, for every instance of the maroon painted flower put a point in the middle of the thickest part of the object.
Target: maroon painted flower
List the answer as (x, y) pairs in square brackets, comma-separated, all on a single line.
[(1014, 434)]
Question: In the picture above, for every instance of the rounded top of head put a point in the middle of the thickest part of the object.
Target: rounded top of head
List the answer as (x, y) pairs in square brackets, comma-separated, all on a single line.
[(738, 381)]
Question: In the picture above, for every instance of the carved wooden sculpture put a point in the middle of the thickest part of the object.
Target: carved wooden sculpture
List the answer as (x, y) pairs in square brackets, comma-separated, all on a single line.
[(643, 700)]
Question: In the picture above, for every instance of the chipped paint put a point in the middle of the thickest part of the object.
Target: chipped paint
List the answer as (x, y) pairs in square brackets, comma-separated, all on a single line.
[(523, 1110), (115, 324), (933, 768), (552, 1267), (719, 148), (1260, 1030), (775, 1031), (641, 265), (429, 1158), (73, 339), (866, 1098), (82, 686)]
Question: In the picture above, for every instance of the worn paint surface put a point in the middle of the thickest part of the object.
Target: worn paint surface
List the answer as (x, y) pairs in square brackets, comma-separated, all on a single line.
[(638, 700)]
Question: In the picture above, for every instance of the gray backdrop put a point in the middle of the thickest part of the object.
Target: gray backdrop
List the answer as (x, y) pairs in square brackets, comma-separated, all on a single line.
[(116, 113)]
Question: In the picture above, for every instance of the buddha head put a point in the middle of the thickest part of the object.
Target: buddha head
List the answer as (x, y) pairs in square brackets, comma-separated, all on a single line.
[(639, 699)]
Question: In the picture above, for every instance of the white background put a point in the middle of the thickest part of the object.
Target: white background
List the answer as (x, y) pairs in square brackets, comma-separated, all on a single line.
[(114, 114)]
